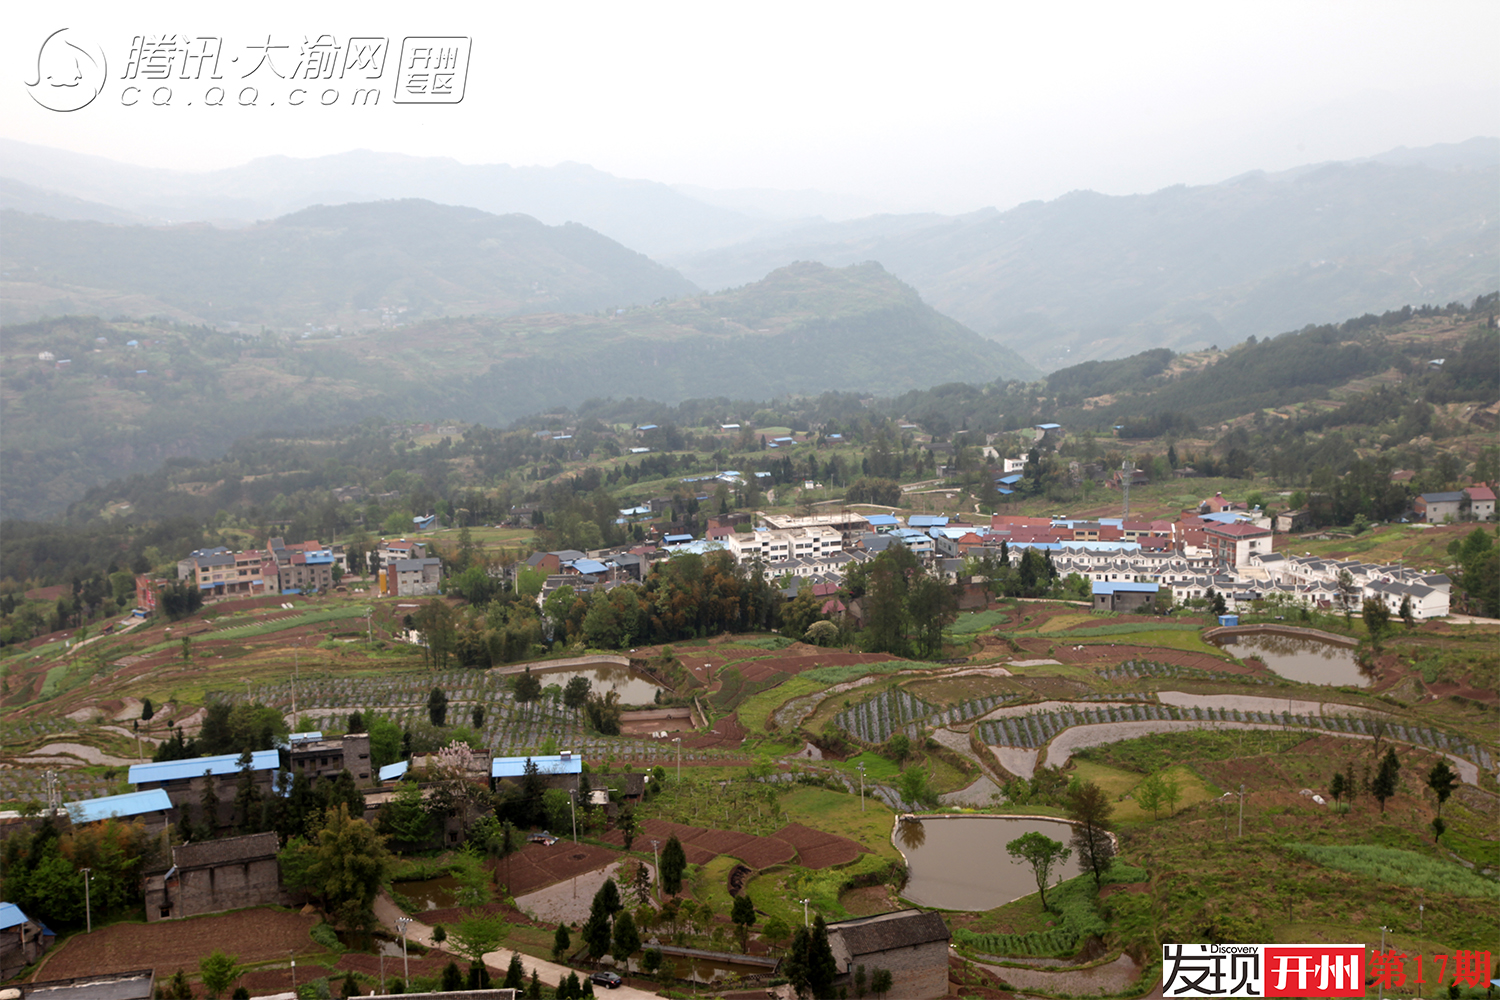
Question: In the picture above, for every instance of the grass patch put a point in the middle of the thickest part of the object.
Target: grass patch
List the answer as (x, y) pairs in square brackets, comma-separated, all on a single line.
[(978, 621), (757, 709), (877, 768), (1148, 754), (771, 642), (825, 676), (1058, 623), (1076, 903), (839, 812), (1391, 864)]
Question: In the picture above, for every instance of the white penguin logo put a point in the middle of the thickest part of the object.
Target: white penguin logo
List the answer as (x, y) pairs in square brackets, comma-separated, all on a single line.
[(69, 74)]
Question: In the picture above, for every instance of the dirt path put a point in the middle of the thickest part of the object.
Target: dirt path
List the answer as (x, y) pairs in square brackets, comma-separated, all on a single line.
[(386, 912), (91, 754)]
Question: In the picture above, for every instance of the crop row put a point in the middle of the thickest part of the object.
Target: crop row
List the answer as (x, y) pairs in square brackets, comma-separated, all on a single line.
[(875, 719), (1035, 730)]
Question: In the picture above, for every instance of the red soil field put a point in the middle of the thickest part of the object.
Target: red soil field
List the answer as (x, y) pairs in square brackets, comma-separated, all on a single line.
[(818, 849), (256, 935)]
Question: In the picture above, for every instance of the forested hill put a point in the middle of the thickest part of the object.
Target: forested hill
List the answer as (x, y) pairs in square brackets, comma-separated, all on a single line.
[(116, 409), (349, 266), (1091, 276)]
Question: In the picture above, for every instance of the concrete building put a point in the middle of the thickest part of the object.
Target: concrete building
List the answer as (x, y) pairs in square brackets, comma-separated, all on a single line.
[(322, 759), (1123, 595), (216, 875), (1436, 508), (910, 944), (1236, 543), (152, 808), (774, 546), (413, 577)]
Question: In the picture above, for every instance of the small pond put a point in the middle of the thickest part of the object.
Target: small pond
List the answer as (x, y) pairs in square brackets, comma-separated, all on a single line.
[(429, 893), (959, 862), (1304, 658), (632, 687)]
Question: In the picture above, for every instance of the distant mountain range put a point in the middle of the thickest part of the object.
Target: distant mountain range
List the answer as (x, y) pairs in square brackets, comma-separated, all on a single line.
[(86, 401), (341, 265), (1085, 276), (1088, 276)]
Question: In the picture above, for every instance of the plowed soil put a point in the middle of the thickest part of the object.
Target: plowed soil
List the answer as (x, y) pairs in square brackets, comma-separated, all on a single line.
[(537, 865), (258, 935), (818, 849)]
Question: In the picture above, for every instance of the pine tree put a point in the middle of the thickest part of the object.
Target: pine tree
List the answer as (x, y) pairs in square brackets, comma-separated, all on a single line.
[(437, 707), (673, 863), (515, 976), (561, 942), (1388, 778)]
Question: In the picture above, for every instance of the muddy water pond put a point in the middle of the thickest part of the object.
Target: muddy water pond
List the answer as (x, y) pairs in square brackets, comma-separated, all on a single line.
[(959, 862), (429, 893), (1304, 658), (632, 687)]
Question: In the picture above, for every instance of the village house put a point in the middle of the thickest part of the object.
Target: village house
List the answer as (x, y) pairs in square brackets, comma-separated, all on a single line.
[(216, 875), (413, 577), (319, 759), (1235, 543), (910, 944), (22, 940), (1437, 508), (184, 781), (1124, 595)]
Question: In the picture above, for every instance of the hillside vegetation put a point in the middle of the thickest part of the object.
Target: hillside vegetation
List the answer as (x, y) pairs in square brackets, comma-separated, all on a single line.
[(115, 410), (1089, 276)]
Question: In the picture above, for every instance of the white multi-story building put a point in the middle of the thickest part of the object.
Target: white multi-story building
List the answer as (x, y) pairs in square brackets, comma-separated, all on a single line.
[(779, 546)]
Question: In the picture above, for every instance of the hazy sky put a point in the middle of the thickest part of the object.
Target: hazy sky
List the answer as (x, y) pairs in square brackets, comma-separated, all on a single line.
[(949, 109)]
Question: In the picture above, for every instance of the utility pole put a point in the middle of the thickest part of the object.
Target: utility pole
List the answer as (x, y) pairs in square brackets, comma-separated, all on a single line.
[(861, 788), (88, 907), (657, 855), (401, 924), (1242, 809), (804, 913), (678, 741), (1127, 467)]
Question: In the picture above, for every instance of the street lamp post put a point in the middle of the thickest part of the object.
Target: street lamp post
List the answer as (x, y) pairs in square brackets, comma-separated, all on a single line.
[(861, 788), (804, 913), (573, 812), (401, 924), (87, 905), (678, 741), (1242, 809), (657, 855)]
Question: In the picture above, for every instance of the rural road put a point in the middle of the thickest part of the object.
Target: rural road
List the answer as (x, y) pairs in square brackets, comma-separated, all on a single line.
[(386, 911)]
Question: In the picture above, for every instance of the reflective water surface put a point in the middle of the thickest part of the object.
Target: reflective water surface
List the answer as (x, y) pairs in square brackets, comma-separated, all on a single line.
[(1298, 657), (633, 688), (959, 862)]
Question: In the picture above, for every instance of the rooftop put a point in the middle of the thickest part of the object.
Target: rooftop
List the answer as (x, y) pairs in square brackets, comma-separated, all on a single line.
[(129, 804), (224, 763)]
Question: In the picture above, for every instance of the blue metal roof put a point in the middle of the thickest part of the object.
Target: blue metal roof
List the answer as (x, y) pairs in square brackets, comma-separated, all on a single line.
[(224, 763), (677, 538), (883, 520), (927, 521), (1123, 586), (129, 804), (515, 767), (1005, 490), (395, 770), (590, 566), (646, 427), (1048, 427), (11, 916), (1010, 480)]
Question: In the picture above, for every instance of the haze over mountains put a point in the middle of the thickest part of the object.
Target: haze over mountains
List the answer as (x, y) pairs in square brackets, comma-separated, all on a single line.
[(1084, 276)]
